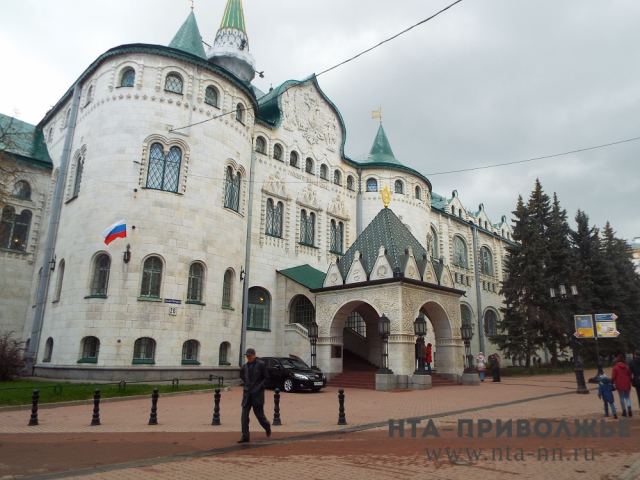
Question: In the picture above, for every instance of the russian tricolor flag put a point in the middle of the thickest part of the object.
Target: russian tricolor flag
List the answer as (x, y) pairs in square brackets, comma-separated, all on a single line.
[(117, 230)]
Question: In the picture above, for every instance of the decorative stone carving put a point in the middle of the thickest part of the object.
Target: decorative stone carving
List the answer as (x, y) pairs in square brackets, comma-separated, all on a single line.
[(308, 198), (337, 208), (276, 186)]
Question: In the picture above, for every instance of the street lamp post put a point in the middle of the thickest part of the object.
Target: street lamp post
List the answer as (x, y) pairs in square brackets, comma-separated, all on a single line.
[(384, 329), (313, 338), (420, 329), (582, 387), (466, 333)]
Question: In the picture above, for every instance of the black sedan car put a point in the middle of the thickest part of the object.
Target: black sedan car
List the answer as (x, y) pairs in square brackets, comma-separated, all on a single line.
[(291, 374)]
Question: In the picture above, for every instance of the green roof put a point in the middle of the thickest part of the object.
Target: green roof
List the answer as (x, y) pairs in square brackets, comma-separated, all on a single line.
[(380, 150), (233, 15), (188, 38), (305, 275), (23, 140), (387, 230)]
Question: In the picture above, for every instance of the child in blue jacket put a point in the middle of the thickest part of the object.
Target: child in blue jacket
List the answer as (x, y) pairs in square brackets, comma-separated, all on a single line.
[(605, 392)]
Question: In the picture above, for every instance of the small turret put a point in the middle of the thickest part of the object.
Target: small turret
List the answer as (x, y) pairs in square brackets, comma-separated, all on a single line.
[(188, 38), (231, 47)]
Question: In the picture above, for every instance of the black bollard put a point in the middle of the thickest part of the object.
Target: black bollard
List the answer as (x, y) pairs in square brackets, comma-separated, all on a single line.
[(216, 408), (96, 408), (341, 418), (276, 408), (153, 419), (34, 408)]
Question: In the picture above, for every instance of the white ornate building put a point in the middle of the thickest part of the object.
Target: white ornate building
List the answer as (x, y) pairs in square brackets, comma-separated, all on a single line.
[(223, 186)]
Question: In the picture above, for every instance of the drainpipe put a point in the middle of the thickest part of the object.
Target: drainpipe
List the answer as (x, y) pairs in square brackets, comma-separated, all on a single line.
[(54, 221), (247, 263), (359, 205), (476, 266)]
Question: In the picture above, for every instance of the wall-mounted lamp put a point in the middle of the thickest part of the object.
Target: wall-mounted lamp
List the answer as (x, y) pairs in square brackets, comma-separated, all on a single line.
[(127, 254), (241, 273), (52, 263)]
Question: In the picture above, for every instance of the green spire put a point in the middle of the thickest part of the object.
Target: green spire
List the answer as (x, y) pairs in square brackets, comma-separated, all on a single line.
[(380, 151), (233, 16), (188, 38)]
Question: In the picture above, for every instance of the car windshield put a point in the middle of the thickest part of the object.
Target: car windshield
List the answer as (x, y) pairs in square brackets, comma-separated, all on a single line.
[(293, 363)]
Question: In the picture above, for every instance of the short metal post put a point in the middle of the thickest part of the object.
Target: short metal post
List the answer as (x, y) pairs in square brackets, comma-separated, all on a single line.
[(153, 419), (341, 417), (34, 408), (276, 408), (216, 407), (96, 408)]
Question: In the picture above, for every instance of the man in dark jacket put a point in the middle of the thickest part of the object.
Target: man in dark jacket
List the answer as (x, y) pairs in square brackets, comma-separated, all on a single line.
[(255, 376), (634, 366)]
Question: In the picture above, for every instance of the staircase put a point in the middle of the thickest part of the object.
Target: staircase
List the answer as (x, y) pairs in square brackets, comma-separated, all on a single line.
[(356, 373), (438, 381)]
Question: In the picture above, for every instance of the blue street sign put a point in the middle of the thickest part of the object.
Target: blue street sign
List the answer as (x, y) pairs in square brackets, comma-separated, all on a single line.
[(606, 317)]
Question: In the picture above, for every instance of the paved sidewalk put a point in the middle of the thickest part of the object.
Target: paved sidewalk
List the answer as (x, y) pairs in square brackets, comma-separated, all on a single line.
[(310, 444)]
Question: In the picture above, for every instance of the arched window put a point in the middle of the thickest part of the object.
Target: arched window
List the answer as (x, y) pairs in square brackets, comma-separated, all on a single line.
[(50, 136), (258, 311), (277, 152), (293, 159), (190, 352), (22, 189), (196, 279), (56, 297), (78, 179), (261, 145), (465, 313), (356, 323), (240, 113), (490, 323), (460, 257), (151, 278), (337, 236), (101, 270), (398, 187), (307, 228), (302, 311), (308, 166), (128, 78), (324, 172), (89, 95), (144, 350), (337, 177), (232, 190), (460, 213), (48, 350), (90, 349), (14, 229), (273, 225), (164, 170), (223, 354), (433, 243), (350, 184), (173, 83), (418, 193), (372, 185), (227, 289), (211, 96), (486, 261)]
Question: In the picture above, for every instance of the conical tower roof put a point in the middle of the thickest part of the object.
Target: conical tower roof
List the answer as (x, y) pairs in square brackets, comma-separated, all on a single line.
[(233, 16), (380, 150), (230, 49), (188, 38)]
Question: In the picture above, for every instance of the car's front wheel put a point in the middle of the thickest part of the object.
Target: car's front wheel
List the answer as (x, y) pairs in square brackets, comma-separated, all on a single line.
[(287, 386)]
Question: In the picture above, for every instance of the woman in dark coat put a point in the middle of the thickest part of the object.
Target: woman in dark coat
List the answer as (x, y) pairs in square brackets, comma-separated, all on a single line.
[(429, 358)]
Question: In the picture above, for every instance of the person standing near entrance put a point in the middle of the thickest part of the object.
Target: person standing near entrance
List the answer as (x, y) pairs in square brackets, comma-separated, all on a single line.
[(429, 358), (480, 361), (621, 378), (255, 376)]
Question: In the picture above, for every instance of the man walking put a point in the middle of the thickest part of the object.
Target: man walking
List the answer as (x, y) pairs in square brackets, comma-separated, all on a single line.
[(634, 365), (255, 376)]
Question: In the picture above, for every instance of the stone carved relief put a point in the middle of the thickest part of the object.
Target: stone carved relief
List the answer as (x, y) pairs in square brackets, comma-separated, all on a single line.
[(308, 198), (276, 186), (305, 110), (338, 208)]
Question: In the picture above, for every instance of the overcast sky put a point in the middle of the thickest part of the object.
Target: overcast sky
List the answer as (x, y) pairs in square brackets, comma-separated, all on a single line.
[(488, 81)]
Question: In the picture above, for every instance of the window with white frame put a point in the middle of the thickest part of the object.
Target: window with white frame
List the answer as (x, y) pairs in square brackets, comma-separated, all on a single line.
[(211, 96), (196, 280), (151, 278), (101, 271), (14, 229), (307, 228), (232, 190), (372, 185), (164, 169), (173, 83), (259, 307), (273, 220)]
